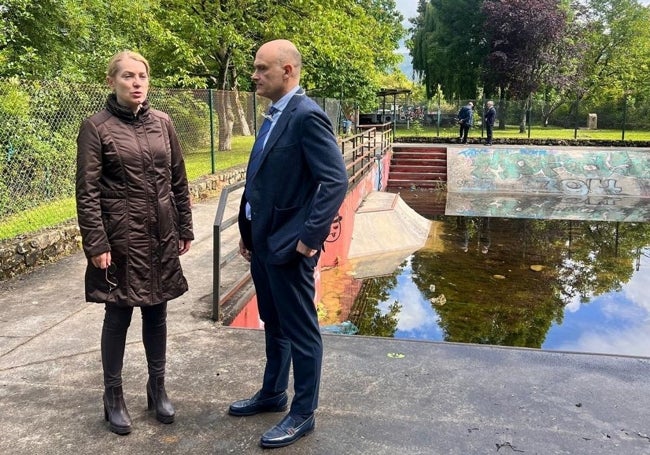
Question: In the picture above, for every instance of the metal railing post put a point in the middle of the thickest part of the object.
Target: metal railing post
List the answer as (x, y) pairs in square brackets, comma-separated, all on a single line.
[(212, 154)]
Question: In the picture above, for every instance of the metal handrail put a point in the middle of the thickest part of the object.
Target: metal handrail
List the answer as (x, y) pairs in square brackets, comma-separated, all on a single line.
[(217, 261)]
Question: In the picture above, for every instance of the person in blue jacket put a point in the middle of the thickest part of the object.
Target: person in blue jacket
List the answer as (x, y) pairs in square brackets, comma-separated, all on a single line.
[(465, 120), (296, 181)]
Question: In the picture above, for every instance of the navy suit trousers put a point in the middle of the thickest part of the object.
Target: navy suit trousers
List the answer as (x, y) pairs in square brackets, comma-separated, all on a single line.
[(285, 298)]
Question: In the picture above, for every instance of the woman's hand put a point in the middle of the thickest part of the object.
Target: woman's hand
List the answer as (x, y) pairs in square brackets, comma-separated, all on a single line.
[(184, 246), (102, 261)]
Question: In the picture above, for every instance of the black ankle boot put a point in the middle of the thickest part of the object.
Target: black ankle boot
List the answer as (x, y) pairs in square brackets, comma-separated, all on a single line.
[(115, 412), (157, 399)]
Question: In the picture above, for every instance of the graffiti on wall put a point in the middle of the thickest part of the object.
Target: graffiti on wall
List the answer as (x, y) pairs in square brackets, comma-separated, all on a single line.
[(565, 172), (562, 184)]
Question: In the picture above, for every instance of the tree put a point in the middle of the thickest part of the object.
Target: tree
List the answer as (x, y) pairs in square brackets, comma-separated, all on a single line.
[(347, 44), (33, 37), (616, 60), (525, 39), (447, 46)]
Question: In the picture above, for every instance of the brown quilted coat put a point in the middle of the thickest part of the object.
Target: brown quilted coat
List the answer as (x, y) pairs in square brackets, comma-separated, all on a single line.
[(132, 200)]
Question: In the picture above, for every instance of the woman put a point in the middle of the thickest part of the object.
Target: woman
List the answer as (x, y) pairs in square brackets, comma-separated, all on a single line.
[(133, 208)]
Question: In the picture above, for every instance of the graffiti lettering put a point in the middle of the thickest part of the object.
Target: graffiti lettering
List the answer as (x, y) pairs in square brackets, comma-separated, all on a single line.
[(590, 186)]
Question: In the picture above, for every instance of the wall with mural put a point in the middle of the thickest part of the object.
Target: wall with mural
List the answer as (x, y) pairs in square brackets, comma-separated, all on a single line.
[(608, 185)]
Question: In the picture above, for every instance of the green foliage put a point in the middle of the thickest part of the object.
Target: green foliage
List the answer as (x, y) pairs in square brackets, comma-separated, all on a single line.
[(448, 46), (35, 156), (416, 128), (596, 52), (190, 114), (191, 43)]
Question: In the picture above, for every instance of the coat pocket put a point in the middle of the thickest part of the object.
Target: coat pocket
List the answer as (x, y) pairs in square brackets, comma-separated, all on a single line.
[(285, 232), (114, 219)]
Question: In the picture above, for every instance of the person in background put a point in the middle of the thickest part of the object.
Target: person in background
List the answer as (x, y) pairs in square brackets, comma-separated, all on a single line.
[(465, 120), (490, 117), (295, 183), (134, 214)]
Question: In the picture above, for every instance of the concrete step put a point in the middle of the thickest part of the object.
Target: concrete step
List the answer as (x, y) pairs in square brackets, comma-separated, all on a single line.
[(418, 149), (432, 183), (419, 169), (418, 162), (417, 155), (428, 174)]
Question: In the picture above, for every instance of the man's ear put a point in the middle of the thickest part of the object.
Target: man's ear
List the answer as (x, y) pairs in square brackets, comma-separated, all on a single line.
[(288, 70)]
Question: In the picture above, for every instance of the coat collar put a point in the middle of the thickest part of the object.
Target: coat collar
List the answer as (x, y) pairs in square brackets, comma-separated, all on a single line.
[(124, 113)]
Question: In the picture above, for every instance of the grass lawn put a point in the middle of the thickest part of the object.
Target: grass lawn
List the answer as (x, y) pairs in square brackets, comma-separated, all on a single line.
[(199, 162), (512, 132)]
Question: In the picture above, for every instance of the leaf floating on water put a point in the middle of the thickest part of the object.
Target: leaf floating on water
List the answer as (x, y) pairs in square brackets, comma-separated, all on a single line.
[(536, 268), (499, 277), (395, 355)]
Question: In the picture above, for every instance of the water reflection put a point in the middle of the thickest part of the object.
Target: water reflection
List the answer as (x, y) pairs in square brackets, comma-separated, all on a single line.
[(550, 284)]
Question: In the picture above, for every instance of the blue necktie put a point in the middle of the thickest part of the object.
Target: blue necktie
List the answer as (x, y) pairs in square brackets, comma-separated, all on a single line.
[(256, 154)]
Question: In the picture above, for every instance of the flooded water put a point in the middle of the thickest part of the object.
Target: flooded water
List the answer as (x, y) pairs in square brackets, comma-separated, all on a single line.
[(568, 285)]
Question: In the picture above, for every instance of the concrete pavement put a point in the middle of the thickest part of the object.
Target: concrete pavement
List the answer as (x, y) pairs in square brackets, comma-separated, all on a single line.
[(378, 396)]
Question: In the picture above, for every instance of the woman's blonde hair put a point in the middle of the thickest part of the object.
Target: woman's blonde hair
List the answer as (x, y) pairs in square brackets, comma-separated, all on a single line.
[(113, 64)]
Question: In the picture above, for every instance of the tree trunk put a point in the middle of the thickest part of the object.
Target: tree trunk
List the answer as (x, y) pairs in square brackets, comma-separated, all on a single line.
[(226, 120), (224, 106), (524, 117), (501, 111), (242, 120)]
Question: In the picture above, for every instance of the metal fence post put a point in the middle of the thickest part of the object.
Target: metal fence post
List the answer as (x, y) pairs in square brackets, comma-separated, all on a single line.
[(624, 116), (212, 154)]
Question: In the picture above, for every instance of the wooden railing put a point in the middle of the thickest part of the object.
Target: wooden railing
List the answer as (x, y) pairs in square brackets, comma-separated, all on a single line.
[(360, 150)]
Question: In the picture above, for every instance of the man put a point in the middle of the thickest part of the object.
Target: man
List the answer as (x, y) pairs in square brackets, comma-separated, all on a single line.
[(293, 192), (490, 117), (465, 120)]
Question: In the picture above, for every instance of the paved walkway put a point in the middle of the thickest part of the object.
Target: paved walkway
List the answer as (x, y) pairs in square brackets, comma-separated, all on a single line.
[(378, 396)]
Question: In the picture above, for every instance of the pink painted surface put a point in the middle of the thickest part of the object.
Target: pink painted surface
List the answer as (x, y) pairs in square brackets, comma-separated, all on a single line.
[(337, 245)]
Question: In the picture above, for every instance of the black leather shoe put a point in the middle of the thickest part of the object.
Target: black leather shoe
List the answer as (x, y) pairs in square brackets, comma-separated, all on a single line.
[(255, 405), (288, 431)]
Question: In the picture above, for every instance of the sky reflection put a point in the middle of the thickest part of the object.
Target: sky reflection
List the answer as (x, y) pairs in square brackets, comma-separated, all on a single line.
[(613, 323)]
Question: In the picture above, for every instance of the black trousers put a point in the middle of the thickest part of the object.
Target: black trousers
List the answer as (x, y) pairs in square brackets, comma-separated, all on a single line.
[(464, 131), (154, 337), (489, 132)]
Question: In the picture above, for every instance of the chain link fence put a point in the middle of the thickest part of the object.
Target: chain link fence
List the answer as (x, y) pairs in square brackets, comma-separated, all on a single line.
[(624, 118), (39, 123)]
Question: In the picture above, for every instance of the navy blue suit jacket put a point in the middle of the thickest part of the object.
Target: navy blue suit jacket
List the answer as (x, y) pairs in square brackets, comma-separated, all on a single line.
[(299, 186)]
